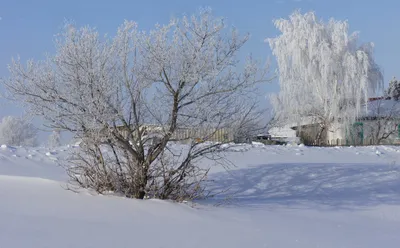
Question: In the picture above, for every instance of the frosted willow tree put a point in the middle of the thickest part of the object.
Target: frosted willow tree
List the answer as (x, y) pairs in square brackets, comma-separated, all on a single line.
[(183, 78), (324, 74)]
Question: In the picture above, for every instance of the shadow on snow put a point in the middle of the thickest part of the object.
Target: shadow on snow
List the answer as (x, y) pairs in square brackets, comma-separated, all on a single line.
[(295, 185)]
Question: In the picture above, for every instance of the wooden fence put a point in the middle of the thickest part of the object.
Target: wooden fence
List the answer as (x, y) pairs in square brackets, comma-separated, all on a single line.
[(348, 142), (204, 134)]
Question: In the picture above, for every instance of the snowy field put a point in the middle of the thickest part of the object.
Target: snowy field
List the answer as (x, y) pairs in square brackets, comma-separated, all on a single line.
[(279, 196)]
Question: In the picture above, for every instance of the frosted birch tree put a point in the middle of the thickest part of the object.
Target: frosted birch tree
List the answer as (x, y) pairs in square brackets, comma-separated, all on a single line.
[(17, 131), (324, 74), (183, 75)]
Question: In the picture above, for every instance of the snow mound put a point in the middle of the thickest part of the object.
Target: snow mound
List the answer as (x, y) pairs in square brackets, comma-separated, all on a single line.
[(274, 196)]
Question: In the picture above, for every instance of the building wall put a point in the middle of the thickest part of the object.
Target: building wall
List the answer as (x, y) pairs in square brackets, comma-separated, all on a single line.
[(335, 132), (308, 134), (338, 134)]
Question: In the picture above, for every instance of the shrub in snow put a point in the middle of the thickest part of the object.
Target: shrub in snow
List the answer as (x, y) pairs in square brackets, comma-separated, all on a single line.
[(180, 76), (16, 131)]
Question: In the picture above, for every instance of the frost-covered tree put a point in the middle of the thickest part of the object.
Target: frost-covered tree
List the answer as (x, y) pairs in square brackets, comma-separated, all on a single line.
[(181, 76), (16, 131), (394, 89), (324, 74), (54, 139)]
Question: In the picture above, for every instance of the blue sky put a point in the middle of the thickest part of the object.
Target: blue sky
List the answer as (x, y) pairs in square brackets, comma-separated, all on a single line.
[(27, 28)]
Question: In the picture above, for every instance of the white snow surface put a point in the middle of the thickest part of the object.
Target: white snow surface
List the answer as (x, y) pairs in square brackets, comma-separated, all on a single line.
[(279, 196)]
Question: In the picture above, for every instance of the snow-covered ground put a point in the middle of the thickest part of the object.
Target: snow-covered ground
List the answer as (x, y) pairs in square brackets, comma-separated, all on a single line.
[(279, 196)]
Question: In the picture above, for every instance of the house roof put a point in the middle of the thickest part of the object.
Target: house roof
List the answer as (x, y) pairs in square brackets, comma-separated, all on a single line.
[(376, 108), (381, 108), (285, 131)]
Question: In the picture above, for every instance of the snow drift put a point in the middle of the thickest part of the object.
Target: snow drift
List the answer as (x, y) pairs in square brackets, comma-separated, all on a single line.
[(279, 196)]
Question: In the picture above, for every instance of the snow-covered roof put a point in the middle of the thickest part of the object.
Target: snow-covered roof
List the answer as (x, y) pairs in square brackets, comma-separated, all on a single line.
[(381, 108), (285, 131), (376, 108), (287, 127)]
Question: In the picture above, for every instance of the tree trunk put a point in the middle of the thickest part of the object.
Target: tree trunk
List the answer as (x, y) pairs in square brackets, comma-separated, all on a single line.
[(141, 180), (319, 135), (140, 195)]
